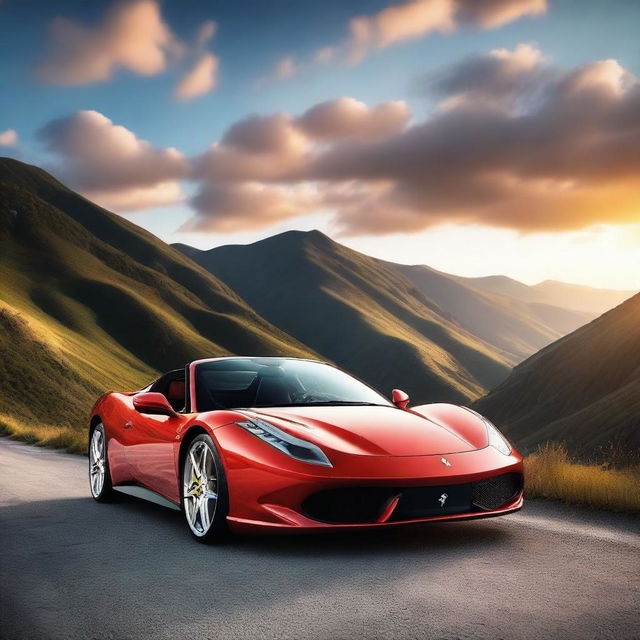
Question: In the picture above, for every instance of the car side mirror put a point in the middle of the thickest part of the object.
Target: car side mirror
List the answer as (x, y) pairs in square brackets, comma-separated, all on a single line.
[(154, 404), (399, 398)]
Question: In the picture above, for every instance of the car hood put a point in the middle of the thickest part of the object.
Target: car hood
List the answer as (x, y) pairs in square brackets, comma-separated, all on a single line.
[(367, 430)]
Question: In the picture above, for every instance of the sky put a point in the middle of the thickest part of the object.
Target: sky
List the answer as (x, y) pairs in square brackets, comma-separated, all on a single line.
[(476, 136)]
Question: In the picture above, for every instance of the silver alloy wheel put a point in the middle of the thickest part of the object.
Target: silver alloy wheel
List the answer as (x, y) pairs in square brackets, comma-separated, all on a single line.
[(200, 488), (97, 462)]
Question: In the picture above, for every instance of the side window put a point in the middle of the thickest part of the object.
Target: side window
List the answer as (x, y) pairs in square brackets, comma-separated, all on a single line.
[(172, 387), (175, 394)]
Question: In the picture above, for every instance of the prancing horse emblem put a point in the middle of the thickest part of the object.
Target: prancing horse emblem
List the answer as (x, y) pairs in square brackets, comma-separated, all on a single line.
[(445, 462), (442, 499)]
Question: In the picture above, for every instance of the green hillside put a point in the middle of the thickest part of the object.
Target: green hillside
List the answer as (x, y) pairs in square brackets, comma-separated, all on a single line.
[(90, 302), (583, 390), (359, 313)]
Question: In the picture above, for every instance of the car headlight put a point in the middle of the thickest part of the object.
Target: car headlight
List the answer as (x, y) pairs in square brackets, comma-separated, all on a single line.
[(285, 442), (496, 439)]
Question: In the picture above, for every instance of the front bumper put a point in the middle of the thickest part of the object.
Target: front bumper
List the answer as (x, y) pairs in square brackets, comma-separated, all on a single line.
[(270, 492)]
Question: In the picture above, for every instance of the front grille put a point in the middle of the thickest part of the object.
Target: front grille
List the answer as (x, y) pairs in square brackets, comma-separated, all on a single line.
[(357, 505), (494, 492), (349, 505), (424, 502)]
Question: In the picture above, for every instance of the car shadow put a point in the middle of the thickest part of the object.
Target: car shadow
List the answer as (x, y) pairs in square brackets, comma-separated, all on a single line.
[(130, 512)]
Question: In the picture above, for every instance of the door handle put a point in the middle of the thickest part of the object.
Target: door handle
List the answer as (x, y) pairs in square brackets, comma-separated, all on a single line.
[(128, 425)]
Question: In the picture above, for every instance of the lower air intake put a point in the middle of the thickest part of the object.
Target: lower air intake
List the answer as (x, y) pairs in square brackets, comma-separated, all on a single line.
[(354, 505), (494, 492), (349, 505)]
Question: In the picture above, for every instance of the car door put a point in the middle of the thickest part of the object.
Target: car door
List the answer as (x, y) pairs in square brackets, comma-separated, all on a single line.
[(152, 452)]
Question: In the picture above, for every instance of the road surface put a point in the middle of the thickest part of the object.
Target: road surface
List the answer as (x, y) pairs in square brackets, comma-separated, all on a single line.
[(72, 568)]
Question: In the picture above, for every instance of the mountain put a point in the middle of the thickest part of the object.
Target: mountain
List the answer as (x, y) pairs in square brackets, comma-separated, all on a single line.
[(550, 292), (91, 302), (359, 313), (513, 327), (583, 389)]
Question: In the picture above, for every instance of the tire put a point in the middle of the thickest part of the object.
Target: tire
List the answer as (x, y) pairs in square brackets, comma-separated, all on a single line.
[(205, 494), (99, 473)]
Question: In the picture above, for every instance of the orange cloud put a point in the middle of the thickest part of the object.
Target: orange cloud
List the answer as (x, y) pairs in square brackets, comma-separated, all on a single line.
[(110, 164), (397, 23), (132, 35), (131, 199), (419, 18), (497, 76), (346, 117), (200, 79), (514, 143), (411, 21), (491, 14), (249, 205), (240, 173)]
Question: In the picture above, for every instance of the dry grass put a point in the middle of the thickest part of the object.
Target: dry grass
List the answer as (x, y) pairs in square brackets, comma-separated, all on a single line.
[(72, 440), (551, 474)]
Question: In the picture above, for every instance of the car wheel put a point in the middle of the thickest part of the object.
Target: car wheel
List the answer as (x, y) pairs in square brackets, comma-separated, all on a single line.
[(205, 498), (99, 475)]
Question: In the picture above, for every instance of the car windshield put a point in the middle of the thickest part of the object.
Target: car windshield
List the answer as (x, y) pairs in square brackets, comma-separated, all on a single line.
[(277, 382)]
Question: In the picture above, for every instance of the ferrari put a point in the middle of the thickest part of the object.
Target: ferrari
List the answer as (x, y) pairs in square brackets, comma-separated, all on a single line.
[(255, 444)]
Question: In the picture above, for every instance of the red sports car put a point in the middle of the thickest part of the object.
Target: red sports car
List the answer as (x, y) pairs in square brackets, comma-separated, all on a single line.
[(285, 444)]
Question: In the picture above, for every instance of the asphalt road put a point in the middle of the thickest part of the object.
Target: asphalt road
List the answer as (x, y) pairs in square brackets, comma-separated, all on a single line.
[(72, 568)]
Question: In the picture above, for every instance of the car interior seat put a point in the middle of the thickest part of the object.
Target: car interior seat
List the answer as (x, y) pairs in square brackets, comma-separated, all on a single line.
[(175, 394)]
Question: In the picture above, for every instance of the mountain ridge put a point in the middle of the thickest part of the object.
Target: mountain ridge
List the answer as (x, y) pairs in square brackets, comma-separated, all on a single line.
[(365, 298), (583, 390)]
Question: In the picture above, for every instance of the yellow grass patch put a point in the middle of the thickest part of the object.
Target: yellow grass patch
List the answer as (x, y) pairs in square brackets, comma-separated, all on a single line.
[(72, 440), (549, 473)]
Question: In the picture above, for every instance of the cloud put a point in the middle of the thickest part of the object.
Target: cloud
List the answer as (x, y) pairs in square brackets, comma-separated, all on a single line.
[(514, 143), (110, 165), (346, 117), (490, 14), (284, 67), (411, 21), (206, 32), (324, 55), (257, 148), (227, 207), (239, 175), (419, 18), (493, 77), (138, 198), (132, 35), (200, 79), (398, 23), (8, 138)]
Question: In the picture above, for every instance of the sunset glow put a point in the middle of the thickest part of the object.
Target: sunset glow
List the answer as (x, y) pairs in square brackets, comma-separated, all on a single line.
[(476, 138)]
